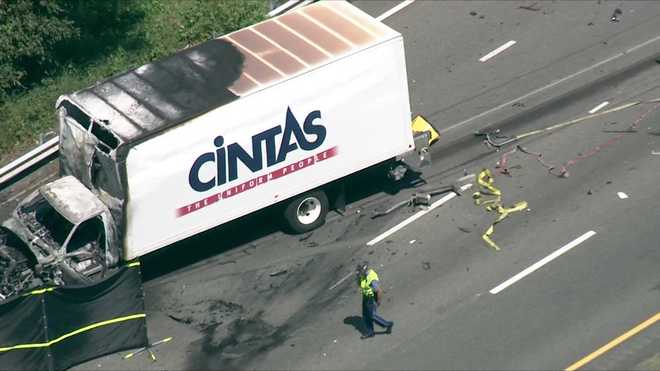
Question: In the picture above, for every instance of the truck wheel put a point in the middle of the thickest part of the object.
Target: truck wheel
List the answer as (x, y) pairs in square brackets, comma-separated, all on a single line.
[(306, 212)]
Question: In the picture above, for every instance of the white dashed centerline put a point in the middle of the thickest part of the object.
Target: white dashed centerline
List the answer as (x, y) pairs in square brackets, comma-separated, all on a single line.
[(598, 107), (542, 262), (400, 6), (418, 215), (497, 51), (551, 85)]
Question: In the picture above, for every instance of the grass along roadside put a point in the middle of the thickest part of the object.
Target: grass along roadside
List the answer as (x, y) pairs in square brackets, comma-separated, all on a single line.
[(151, 29)]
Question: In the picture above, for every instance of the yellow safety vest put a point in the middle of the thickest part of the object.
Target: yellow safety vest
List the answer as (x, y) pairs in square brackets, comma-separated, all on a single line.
[(365, 283)]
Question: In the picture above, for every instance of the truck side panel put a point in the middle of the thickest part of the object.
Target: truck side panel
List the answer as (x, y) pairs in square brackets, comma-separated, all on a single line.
[(276, 143)]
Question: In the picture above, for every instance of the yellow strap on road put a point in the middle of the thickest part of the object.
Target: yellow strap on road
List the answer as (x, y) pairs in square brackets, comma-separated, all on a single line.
[(73, 333), (494, 203)]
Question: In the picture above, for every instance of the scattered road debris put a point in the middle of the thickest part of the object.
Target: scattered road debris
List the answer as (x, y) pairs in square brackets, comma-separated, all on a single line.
[(412, 242), (533, 7), (278, 273), (305, 237), (493, 203), (422, 199), (615, 15), (622, 195), (148, 349), (494, 139), (426, 265), (465, 230)]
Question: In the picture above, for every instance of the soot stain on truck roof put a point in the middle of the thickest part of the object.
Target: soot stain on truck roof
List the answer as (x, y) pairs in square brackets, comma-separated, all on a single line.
[(165, 92)]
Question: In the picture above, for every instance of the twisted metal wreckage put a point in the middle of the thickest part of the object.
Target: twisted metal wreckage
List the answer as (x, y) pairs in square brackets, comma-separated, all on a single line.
[(488, 195)]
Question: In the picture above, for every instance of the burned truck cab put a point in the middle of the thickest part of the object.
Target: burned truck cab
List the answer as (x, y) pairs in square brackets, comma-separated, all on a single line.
[(65, 232)]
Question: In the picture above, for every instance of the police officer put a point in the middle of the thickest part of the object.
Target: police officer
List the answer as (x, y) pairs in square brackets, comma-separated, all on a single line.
[(371, 298)]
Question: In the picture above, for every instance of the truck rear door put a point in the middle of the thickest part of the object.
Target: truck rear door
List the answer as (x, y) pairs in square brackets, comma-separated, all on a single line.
[(77, 144)]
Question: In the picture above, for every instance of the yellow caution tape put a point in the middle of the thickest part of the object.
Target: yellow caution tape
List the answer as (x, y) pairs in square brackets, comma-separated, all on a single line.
[(420, 124), (493, 203), (73, 333), (39, 291), (135, 263)]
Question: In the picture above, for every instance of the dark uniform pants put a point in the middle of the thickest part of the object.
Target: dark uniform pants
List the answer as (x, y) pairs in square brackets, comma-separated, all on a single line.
[(369, 315)]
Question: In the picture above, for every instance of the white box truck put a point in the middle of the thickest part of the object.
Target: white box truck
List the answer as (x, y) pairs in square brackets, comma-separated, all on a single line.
[(268, 114)]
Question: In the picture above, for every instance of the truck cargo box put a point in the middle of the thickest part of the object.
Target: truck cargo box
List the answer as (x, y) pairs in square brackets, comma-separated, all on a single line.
[(244, 121)]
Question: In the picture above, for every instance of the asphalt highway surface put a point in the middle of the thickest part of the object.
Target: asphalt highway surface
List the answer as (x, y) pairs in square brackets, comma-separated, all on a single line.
[(576, 282)]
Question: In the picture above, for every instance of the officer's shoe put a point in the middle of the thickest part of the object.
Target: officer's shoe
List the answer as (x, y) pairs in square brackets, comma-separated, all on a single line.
[(388, 330), (368, 336)]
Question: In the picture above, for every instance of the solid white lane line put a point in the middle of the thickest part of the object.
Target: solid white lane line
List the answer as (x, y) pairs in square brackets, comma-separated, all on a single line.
[(418, 215), (598, 107), (552, 84), (497, 51), (542, 262), (388, 13)]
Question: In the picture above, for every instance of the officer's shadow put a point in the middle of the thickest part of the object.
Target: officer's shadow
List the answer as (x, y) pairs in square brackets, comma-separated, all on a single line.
[(357, 323)]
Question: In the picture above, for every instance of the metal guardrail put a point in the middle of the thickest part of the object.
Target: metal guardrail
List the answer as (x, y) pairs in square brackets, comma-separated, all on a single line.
[(289, 5), (28, 160), (24, 163)]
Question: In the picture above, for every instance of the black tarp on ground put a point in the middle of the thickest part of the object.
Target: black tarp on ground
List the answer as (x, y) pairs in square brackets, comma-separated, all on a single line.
[(57, 329), (22, 322)]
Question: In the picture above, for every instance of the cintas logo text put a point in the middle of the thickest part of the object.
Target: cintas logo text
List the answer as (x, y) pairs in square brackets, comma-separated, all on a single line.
[(278, 142)]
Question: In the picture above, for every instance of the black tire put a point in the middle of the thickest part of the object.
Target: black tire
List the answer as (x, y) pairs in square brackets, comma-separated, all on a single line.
[(306, 212)]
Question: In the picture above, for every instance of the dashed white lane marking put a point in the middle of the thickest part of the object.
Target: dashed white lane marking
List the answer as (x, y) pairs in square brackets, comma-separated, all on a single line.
[(598, 107), (340, 281), (464, 178), (542, 262), (497, 51), (418, 215), (400, 6), (622, 195), (552, 84)]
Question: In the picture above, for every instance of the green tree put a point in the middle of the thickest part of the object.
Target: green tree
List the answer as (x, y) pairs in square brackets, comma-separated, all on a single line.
[(29, 32)]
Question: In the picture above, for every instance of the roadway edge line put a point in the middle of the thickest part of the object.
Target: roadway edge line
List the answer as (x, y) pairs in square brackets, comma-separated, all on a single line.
[(625, 336)]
